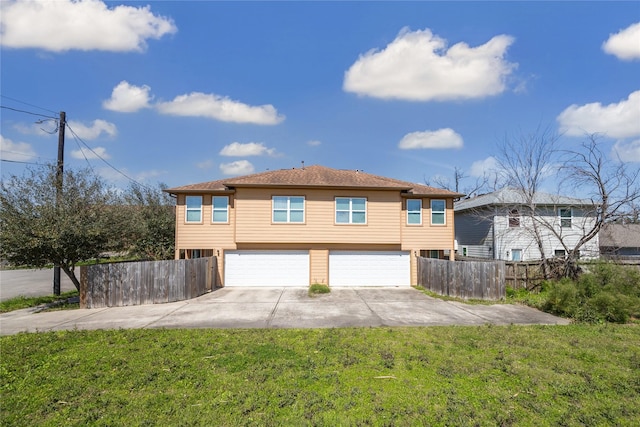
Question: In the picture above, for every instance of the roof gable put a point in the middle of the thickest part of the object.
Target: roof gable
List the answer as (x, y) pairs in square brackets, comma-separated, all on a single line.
[(314, 176)]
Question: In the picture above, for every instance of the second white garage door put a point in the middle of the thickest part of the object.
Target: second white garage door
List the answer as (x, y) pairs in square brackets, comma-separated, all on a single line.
[(266, 268), (369, 268)]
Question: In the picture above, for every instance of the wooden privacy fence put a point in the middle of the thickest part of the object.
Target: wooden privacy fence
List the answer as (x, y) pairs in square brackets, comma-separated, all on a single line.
[(469, 279), (524, 274), (150, 282)]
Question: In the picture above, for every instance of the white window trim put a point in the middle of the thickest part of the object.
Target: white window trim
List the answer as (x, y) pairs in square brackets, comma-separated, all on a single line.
[(570, 218), (187, 210), (351, 211), (418, 211), (444, 212), (288, 221), (214, 210), (519, 251)]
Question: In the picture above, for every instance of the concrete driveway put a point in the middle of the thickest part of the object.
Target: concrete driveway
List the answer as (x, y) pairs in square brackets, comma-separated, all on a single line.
[(283, 308)]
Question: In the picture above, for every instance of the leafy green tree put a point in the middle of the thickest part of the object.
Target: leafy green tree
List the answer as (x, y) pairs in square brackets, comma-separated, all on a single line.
[(152, 215), (40, 227)]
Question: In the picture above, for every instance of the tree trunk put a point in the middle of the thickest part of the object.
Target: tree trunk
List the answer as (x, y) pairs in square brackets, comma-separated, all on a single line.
[(70, 272)]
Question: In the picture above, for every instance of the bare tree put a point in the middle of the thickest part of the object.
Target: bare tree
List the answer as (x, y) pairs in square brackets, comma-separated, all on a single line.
[(525, 161), (481, 184), (612, 186)]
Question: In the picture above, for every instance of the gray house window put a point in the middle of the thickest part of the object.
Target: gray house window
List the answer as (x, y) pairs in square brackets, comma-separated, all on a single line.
[(565, 217)]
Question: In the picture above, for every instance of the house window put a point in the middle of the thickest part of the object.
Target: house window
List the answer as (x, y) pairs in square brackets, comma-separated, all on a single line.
[(430, 253), (438, 212), (351, 210), (220, 209), (514, 218), (194, 208), (288, 209), (559, 253), (516, 254), (565, 217), (414, 211)]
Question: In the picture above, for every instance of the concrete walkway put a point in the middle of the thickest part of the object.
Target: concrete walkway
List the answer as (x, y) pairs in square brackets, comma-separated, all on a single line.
[(283, 308)]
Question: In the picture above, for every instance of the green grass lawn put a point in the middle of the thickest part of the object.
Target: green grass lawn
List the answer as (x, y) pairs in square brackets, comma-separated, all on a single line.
[(527, 376), (20, 302)]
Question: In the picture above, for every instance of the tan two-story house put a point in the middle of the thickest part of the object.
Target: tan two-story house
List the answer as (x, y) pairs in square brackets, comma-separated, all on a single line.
[(295, 227)]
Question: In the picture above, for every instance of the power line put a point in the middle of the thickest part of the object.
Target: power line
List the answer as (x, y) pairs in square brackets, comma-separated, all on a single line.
[(30, 105), (25, 163), (101, 158), (27, 112)]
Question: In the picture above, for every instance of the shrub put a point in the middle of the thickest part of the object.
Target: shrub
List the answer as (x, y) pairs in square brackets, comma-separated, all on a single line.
[(562, 298), (607, 293), (318, 288)]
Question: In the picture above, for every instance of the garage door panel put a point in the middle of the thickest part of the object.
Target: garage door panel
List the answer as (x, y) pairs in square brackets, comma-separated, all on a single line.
[(369, 268), (266, 268)]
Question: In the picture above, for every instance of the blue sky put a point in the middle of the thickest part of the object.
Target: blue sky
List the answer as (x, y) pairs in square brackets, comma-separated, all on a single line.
[(184, 92)]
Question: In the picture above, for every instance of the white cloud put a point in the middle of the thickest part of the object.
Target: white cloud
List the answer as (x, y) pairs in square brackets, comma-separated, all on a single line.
[(16, 151), (484, 167), (240, 167), (438, 139), (93, 131), (621, 120), (627, 151), (417, 66), (63, 25), (236, 149), (314, 143), (127, 98), (94, 153), (625, 44), (205, 164), (197, 104)]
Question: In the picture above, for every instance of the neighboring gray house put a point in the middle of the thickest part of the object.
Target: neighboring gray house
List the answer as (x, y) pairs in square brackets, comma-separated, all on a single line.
[(620, 240), (500, 225)]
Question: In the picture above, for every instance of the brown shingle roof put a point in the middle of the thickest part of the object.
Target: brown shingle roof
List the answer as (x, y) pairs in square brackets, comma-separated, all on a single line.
[(314, 176), (620, 236)]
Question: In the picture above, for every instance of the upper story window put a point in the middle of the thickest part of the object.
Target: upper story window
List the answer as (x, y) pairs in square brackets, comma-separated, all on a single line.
[(414, 211), (514, 218), (565, 217), (288, 208), (194, 208), (351, 210), (438, 212), (220, 209)]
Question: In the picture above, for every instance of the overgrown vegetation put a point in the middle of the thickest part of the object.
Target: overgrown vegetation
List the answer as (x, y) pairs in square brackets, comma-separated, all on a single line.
[(21, 302), (606, 293), (570, 375), (318, 288)]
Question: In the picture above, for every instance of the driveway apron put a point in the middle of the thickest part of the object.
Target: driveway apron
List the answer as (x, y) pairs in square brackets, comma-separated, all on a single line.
[(283, 307)]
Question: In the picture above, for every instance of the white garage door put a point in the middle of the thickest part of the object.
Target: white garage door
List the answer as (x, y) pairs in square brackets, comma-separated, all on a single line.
[(369, 268), (266, 268)]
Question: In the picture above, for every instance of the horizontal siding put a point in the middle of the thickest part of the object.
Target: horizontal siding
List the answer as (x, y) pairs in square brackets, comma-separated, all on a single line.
[(254, 218), (206, 235), (319, 268), (250, 225), (473, 228), (507, 239), (427, 236)]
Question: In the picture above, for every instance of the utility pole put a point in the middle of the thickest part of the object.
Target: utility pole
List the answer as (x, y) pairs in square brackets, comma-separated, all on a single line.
[(59, 177)]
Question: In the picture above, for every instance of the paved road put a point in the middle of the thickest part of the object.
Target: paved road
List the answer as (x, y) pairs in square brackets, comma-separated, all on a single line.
[(31, 283), (283, 308)]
